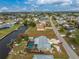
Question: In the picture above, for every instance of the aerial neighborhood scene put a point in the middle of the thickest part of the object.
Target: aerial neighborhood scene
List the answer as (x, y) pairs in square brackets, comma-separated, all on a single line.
[(39, 29)]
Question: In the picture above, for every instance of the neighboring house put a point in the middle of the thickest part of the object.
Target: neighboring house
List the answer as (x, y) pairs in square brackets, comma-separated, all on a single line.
[(40, 26), (28, 19), (43, 57), (69, 27), (77, 19), (35, 19), (61, 21), (7, 25), (12, 17), (41, 23), (1, 20), (17, 20), (71, 18)]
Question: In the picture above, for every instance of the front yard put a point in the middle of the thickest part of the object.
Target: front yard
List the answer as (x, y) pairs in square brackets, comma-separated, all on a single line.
[(62, 55)]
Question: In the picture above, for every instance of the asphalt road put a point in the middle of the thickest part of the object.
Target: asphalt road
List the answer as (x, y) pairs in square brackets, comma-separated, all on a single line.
[(4, 50), (70, 52)]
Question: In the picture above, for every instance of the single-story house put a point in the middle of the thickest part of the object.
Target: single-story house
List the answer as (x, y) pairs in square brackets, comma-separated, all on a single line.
[(61, 21), (40, 27), (42, 43), (5, 26), (1, 20), (39, 45), (70, 28)]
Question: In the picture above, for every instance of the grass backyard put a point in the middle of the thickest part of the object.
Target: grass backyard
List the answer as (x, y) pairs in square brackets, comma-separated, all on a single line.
[(22, 54), (34, 32), (25, 55)]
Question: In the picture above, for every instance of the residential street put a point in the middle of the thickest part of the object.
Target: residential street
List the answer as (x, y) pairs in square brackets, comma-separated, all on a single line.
[(70, 52), (4, 50)]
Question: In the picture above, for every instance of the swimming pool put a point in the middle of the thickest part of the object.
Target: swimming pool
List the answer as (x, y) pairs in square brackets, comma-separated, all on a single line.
[(30, 45)]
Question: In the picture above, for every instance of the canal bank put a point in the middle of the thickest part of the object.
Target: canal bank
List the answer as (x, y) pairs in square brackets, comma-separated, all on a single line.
[(4, 50)]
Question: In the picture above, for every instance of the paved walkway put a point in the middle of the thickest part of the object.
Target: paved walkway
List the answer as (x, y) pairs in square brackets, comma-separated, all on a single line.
[(70, 52)]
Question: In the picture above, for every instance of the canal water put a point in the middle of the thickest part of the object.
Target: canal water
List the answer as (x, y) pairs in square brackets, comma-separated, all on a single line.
[(4, 50)]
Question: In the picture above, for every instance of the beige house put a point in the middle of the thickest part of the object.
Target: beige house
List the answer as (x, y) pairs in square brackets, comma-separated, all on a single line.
[(43, 25), (40, 27)]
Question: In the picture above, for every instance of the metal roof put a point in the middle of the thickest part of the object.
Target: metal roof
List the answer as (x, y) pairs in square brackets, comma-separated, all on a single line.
[(42, 43), (43, 57)]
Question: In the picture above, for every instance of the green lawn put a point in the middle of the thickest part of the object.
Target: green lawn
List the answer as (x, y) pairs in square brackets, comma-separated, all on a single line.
[(62, 55), (76, 33), (34, 32), (4, 32)]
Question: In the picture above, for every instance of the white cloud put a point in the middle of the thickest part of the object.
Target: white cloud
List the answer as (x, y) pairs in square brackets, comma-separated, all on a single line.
[(24, 8), (29, 2), (46, 9), (66, 3), (53, 1), (35, 6), (4, 8), (74, 9), (77, 1)]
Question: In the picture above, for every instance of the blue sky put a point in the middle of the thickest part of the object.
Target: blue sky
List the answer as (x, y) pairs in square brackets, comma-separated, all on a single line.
[(38, 5)]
